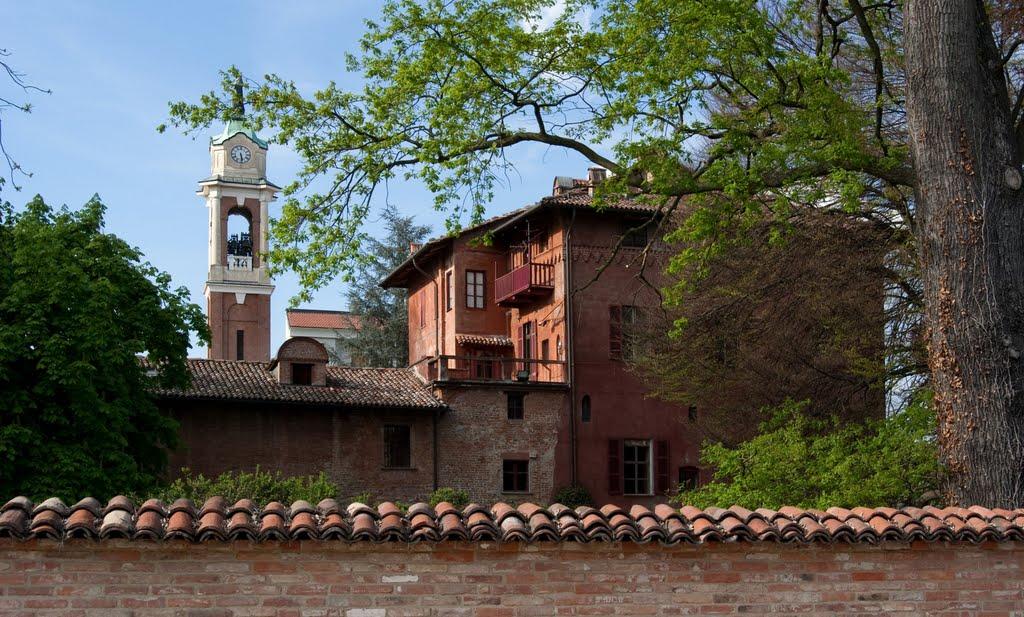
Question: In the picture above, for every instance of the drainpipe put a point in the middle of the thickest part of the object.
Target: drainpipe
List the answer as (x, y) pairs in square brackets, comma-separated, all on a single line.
[(436, 412), (570, 336)]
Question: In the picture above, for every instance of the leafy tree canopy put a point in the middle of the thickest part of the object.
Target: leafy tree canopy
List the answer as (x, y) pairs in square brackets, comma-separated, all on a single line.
[(799, 461), (77, 308), (383, 340), (741, 105)]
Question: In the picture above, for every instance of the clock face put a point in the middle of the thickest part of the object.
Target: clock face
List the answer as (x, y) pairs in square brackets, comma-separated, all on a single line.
[(240, 154)]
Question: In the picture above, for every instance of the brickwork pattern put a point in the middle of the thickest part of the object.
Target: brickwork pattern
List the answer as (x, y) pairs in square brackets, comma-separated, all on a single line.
[(475, 436), (363, 579)]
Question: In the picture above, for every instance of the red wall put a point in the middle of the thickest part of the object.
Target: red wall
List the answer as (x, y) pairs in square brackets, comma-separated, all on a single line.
[(399, 579)]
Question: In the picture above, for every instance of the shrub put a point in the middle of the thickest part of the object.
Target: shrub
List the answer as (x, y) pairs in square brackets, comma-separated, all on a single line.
[(260, 486), (365, 498), (455, 496), (800, 461), (574, 497)]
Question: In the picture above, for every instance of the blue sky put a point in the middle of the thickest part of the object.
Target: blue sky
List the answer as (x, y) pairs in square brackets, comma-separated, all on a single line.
[(113, 67)]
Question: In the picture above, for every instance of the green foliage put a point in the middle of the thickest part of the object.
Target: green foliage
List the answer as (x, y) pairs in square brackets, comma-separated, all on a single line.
[(573, 497), (457, 497), (77, 308), (365, 498), (799, 461), (722, 100), (383, 340), (260, 486)]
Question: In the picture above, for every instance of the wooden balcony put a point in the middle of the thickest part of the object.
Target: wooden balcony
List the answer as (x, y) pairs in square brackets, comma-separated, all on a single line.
[(525, 284), (495, 369)]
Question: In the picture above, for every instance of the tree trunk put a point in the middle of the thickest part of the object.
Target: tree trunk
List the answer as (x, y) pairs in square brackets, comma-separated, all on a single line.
[(971, 231)]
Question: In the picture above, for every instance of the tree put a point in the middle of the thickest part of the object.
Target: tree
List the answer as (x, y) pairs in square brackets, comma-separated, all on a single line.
[(796, 460), (383, 339), (77, 307), (966, 138), (8, 103), (773, 320), (744, 111)]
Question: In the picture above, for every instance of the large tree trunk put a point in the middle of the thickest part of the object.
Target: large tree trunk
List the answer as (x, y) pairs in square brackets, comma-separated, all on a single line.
[(971, 230)]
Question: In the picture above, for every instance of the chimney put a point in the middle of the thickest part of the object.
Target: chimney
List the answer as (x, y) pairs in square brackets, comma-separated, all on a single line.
[(413, 247), (595, 176)]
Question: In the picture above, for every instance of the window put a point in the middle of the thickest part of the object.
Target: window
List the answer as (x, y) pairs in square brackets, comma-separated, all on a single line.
[(302, 374), (691, 413), (239, 344), (515, 405), (625, 328), (475, 288), (526, 340), (634, 238), (515, 476), (423, 307), (542, 241), (396, 446), (689, 478), (636, 467), (449, 297), (585, 408)]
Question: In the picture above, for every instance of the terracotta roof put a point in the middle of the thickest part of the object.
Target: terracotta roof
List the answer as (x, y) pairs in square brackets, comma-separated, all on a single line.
[(220, 521), (346, 386), (487, 340), (335, 320)]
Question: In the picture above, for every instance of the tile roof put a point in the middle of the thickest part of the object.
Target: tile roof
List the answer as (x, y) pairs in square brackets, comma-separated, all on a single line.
[(335, 320), (218, 520), (488, 340), (346, 386)]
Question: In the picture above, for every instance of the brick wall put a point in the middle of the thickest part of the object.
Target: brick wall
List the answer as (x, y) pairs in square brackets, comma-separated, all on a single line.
[(120, 577), (301, 440), (475, 436)]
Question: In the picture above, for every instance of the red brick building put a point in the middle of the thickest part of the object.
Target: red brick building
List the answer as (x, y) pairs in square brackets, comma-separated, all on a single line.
[(513, 328), (518, 385)]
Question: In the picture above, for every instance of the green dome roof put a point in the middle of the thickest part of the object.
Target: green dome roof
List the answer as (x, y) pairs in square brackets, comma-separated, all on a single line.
[(234, 127)]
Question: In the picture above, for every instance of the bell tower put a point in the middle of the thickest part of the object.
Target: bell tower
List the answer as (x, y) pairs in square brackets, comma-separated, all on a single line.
[(238, 285)]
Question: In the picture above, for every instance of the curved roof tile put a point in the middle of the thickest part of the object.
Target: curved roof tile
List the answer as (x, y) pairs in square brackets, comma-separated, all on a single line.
[(218, 521)]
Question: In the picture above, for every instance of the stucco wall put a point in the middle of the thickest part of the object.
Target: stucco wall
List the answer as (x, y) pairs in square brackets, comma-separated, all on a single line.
[(364, 579)]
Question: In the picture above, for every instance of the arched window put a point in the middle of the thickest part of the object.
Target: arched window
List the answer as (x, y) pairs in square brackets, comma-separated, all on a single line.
[(585, 408), (239, 231)]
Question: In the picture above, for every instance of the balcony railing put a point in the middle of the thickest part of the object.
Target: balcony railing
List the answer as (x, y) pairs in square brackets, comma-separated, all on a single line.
[(494, 369), (239, 262), (524, 284)]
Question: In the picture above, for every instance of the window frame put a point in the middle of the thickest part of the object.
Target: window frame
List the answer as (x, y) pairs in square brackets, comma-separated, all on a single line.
[(307, 367), (516, 474), (634, 238), (388, 461), (638, 445), (449, 291), (687, 470), (476, 291), (515, 406)]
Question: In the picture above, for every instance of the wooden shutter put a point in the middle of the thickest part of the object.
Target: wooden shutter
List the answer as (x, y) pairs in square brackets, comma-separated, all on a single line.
[(661, 467), (614, 466), (615, 332)]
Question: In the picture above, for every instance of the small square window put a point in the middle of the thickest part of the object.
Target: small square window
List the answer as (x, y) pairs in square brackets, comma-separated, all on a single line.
[(302, 374), (632, 237), (397, 446), (689, 478), (515, 476), (515, 405)]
